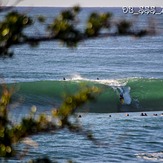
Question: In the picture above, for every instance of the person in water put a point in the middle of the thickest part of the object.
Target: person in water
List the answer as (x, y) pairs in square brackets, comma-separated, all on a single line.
[(121, 98)]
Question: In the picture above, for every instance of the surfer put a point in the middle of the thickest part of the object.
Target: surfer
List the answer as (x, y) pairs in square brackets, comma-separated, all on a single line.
[(143, 114), (124, 95), (121, 98)]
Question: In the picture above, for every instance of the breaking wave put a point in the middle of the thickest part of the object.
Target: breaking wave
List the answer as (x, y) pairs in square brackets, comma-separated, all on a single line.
[(139, 94)]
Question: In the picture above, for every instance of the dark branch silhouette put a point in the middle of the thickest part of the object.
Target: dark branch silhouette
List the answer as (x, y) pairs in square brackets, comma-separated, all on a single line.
[(63, 28)]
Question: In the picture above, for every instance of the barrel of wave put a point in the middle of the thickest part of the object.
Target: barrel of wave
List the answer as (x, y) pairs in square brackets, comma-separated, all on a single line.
[(43, 92)]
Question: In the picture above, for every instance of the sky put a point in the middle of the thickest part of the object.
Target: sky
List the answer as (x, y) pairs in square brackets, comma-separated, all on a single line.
[(84, 3)]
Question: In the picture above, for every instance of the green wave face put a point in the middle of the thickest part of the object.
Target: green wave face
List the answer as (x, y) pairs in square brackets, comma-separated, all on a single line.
[(44, 91), (148, 93), (142, 94)]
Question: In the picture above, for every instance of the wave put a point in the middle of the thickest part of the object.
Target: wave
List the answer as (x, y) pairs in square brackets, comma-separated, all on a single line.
[(157, 156), (138, 94)]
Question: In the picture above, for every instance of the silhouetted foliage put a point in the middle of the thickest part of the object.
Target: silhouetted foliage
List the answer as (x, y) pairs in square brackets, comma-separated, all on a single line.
[(41, 160), (124, 27), (11, 133), (96, 22), (62, 28)]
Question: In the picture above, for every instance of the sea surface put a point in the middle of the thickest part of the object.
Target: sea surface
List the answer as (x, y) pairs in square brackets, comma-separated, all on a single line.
[(128, 66)]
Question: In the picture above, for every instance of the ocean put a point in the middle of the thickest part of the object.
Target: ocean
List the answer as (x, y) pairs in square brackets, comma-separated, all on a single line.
[(123, 65)]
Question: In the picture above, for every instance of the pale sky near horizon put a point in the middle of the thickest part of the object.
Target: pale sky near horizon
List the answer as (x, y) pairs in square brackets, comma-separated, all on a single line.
[(84, 3)]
